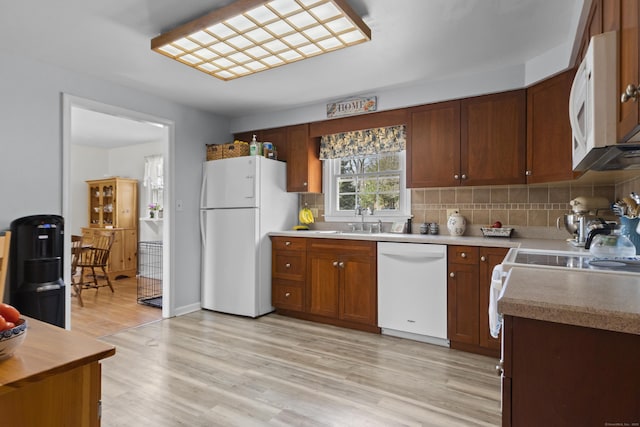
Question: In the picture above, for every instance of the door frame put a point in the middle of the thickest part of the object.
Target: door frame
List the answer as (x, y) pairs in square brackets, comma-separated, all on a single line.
[(69, 101)]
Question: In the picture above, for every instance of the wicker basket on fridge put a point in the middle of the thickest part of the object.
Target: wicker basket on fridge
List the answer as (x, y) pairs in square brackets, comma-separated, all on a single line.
[(214, 151), (235, 149)]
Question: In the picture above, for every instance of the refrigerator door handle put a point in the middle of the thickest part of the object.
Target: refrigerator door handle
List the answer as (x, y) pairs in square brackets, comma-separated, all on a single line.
[(202, 236), (253, 187), (204, 184)]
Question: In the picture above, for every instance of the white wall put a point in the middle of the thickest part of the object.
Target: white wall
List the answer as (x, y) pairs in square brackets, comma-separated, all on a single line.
[(87, 163), (31, 159)]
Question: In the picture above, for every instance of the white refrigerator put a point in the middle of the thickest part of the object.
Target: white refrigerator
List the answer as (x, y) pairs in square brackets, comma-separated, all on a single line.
[(241, 201)]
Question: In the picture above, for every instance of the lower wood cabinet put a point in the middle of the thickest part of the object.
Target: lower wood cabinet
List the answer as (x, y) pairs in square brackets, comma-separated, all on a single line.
[(565, 375), (337, 285), (123, 260), (468, 284)]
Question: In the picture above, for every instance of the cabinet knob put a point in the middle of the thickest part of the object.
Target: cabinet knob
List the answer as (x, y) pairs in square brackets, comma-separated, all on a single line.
[(500, 368), (463, 255), (304, 184), (456, 176), (452, 274), (464, 176), (483, 258), (528, 173), (341, 264), (287, 294), (287, 243), (287, 265), (630, 93), (335, 263)]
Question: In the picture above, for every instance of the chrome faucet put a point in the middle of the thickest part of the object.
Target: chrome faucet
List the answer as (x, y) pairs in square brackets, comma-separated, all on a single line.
[(360, 211)]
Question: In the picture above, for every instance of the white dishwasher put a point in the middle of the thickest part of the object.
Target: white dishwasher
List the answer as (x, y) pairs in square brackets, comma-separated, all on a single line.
[(412, 291)]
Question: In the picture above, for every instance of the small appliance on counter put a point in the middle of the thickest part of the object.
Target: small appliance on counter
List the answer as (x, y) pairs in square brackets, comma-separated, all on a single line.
[(584, 217)]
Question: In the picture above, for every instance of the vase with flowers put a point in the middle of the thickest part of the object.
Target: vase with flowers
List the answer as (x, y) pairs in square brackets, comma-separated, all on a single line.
[(153, 207)]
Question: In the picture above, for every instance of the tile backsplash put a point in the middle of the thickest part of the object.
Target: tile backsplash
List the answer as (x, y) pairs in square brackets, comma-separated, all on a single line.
[(531, 210)]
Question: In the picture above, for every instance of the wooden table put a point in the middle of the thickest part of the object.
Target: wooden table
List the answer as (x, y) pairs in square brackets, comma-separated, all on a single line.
[(53, 379)]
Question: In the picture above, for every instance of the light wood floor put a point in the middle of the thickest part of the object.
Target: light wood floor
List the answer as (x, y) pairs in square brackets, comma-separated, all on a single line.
[(211, 369), (105, 313)]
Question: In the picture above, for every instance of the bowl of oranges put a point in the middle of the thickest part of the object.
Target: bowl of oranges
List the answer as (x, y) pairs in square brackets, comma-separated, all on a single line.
[(13, 330)]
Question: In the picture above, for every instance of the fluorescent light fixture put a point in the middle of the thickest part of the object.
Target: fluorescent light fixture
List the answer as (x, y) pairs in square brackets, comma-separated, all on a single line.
[(250, 36)]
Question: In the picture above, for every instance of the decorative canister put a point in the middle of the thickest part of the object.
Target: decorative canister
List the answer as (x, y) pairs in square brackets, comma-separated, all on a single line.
[(433, 228), (424, 228), (456, 224)]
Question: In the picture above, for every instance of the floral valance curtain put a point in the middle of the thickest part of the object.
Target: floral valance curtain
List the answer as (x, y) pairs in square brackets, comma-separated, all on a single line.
[(363, 142)]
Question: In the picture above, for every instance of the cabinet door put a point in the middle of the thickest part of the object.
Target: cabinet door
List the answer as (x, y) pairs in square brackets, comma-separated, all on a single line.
[(493, 139), (462, 303), (130, 249), (489, 258), (549, 148), (433, 145), (358, 290), (124, 204), (304, 169), (116, 256), (628, 67), (322, 284)]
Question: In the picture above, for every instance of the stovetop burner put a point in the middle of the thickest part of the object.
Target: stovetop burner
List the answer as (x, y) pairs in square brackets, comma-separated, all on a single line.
[(574, 260)]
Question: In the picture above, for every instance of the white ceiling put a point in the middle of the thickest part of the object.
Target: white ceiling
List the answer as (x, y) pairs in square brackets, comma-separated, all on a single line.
[(413, 41)]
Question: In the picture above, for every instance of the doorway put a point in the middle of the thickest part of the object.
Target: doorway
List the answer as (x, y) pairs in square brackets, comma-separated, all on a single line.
[(106, 130)]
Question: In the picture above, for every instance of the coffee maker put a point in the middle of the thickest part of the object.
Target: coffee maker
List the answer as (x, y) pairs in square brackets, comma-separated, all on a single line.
[(586, 210)]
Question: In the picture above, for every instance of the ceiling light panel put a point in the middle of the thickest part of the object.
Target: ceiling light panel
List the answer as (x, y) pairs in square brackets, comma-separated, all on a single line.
[(249, 36)]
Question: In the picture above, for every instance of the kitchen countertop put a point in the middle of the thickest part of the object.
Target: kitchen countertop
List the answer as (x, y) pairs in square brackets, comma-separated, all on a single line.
[(598, 300), (442, 239)]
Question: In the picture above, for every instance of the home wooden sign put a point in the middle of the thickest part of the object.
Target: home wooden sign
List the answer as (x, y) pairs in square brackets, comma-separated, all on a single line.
[(352, 106)]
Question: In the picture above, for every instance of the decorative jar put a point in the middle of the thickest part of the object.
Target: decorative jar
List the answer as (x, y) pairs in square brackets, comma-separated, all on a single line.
[(457, 224)]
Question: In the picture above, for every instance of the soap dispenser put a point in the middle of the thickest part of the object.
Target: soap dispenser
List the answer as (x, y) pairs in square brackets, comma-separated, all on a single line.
[(253, 147)]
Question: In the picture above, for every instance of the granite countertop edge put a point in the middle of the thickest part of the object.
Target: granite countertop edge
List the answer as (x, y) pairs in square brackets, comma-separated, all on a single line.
[(565, 297)]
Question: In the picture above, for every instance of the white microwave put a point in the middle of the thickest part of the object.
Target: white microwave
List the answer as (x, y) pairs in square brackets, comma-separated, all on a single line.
[(592, 103)]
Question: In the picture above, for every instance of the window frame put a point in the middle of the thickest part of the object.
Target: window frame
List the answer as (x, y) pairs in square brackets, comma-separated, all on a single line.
[(330, 171)]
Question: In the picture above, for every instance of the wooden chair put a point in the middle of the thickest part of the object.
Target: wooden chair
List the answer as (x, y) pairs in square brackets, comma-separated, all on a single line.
[(5, 244), (91, 257)]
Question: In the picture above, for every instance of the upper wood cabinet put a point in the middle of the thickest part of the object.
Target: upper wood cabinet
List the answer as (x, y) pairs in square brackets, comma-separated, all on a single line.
[(493, 139), (549, 131), (299, 150), (304, 168), (433, 145), (628, 68), (474, 141)]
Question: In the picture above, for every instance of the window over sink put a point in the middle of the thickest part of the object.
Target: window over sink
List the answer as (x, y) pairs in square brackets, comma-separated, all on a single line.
[(364, 174), (374, 183)]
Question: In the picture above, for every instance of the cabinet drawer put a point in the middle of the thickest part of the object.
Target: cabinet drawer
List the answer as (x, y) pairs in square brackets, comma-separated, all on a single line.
[(463, 254), (289, 265), (287, 295), (288, 244), (343, 246)]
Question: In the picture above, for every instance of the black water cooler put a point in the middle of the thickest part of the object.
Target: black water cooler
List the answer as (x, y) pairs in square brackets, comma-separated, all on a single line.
[(37, 255)]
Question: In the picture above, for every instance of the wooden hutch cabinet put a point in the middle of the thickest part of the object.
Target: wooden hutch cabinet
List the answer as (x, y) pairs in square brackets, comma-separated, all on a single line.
[(113, 205)]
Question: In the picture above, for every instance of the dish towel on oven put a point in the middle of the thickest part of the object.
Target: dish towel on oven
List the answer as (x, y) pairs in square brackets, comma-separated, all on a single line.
[(495, 292)]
